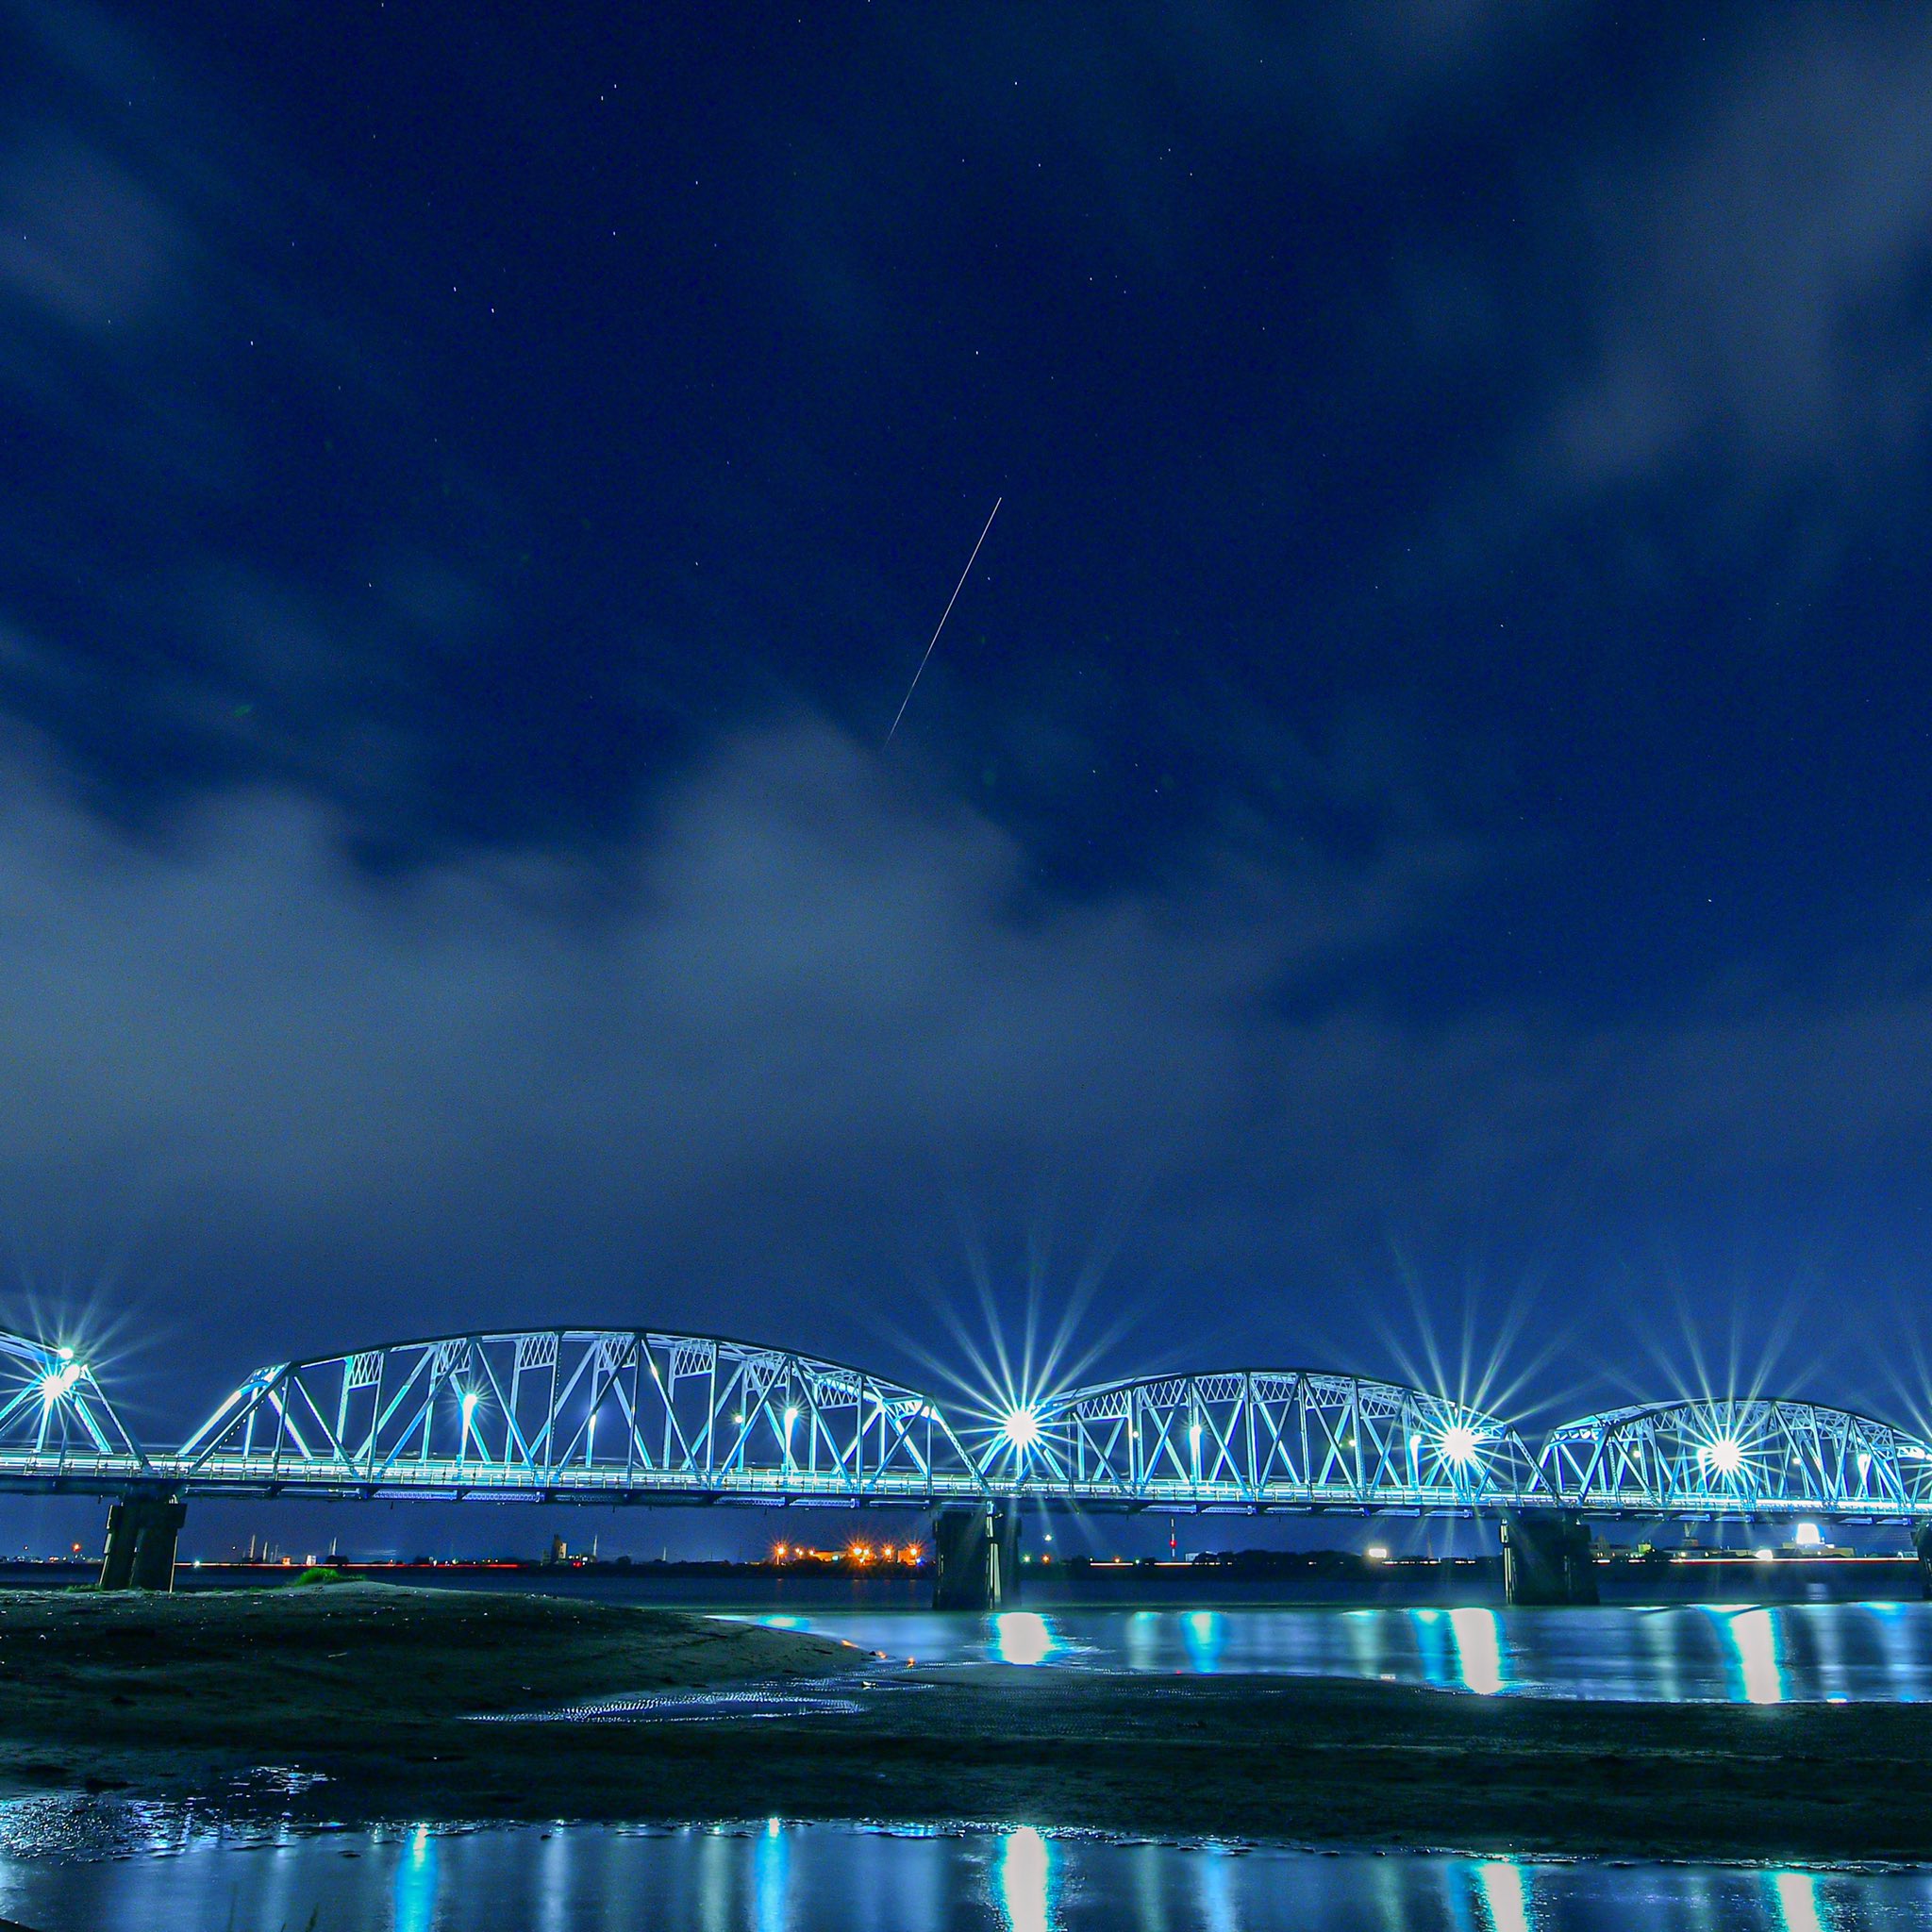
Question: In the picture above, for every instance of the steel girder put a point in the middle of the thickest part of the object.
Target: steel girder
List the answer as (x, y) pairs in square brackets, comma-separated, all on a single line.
[(584, 1414), (1749, 1457), (1266, 1440), (56, 1426)]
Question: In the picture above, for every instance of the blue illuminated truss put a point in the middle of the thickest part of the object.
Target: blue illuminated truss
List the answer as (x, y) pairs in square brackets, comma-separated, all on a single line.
[(639, 1416), (583, 1414), (1751, 1456), (57, 1428), (1263, 1439)]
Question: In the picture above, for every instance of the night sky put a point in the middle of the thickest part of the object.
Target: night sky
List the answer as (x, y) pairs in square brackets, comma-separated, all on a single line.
[(1411, 855)]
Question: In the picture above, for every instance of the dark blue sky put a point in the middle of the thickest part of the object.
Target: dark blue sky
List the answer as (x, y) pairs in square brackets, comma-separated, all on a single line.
[(1417, 828)]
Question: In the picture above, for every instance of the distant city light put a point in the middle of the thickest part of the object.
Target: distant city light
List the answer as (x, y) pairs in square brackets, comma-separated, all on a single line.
[(1809, 1537), (1764, 1556), (1376, 1553), (1020, 1428)]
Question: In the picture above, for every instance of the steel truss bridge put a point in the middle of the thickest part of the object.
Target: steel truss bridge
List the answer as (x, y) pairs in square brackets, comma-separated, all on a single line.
[(636, 1416)]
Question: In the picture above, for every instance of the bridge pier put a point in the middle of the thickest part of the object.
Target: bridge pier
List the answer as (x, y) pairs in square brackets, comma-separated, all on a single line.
[(1921, 1544), (975, 1558), (143, 1530), (1546, 1558)]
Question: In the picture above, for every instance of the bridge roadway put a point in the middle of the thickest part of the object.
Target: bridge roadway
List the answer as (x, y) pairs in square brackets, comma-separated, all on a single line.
[(642, 1417)]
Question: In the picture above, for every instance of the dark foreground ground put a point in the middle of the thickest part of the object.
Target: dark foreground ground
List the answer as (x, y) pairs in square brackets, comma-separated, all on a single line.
[(372, 1686)]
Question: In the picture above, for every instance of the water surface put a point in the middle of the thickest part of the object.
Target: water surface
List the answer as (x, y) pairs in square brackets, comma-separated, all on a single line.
[(1735, 1653), (76, 1866)]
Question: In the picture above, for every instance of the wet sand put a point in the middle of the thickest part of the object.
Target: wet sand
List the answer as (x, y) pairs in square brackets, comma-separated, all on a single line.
[(373, 1686)]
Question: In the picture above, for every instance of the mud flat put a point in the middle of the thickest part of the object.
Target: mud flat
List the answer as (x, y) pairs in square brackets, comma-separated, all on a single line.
[(378, 1690)]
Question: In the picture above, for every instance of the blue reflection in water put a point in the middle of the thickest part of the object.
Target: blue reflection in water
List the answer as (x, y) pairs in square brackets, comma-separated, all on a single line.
[(1022, 1636), (1204, 1632), (1026, 1882), (1143, 1646), (772, 1876), (1738, 1652), (1480, 1649), (1795, 1896), (1902, 1659), (416, 1883), (1505, 1895), (160, 1875), (720, 1873), (1214, 1893), (1432, 1641)]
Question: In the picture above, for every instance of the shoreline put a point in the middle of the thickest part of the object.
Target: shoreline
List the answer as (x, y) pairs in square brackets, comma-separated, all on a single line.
[(377, 1688)]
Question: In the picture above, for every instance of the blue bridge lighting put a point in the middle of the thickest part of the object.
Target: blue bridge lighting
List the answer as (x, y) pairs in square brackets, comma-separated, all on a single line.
[(641, 1416)]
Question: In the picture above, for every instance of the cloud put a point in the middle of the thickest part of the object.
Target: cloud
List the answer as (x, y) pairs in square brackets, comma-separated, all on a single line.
[(81, 241), (1757, 294), (741, 1080), (753, 1057)]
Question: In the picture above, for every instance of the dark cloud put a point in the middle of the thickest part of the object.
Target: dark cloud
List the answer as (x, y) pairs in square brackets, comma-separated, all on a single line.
[(755, 1079), (1758, 290), (479, 521)]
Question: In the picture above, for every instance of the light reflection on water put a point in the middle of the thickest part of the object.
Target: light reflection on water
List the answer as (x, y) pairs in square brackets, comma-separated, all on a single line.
[(1020, 1637), (1478, 1650), (1500, 1881), (177, 1876), (1757, 1677), (1027, 1881), (1796, 1894), (1719, 1653), (416, 1883)]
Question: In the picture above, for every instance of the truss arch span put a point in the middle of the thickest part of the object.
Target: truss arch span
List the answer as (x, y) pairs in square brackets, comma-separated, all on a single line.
[(1262, 1439), (1751, 1456), (629, 1415)]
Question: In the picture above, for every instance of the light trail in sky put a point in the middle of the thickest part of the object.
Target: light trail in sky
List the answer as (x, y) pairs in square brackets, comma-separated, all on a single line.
[(943, 615)]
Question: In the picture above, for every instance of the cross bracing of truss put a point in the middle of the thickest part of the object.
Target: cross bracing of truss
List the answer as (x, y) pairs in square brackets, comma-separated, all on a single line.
[(1756, 1454), (1268, 1439), (582, 1412)]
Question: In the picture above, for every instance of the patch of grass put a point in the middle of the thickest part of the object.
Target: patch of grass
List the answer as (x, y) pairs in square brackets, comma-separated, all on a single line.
[(318, 1572)]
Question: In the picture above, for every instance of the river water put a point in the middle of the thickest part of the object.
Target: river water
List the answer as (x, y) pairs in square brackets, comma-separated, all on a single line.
[(1738, 1653), (69, 1867), (70, 1864)]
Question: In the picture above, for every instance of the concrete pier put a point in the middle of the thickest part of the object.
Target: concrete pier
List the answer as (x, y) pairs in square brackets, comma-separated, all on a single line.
[(143, 1530), (975, 1558), (1546, 1558)]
